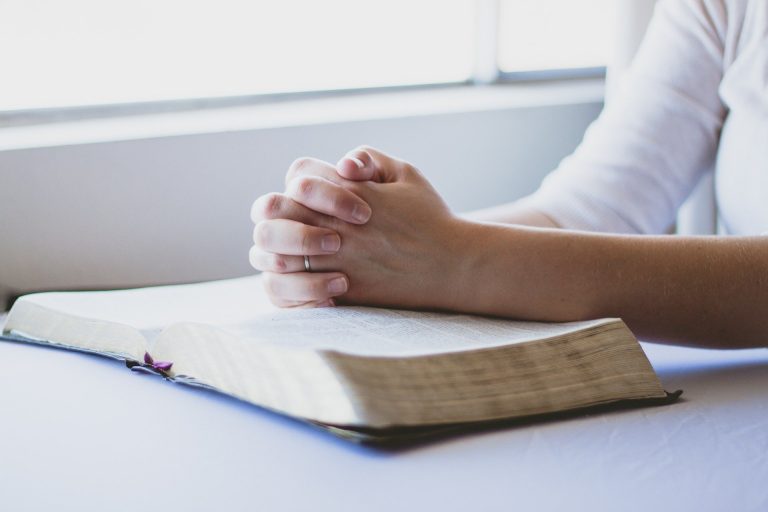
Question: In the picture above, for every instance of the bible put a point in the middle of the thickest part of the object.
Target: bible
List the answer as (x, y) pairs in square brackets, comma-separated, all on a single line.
[(360, 372)]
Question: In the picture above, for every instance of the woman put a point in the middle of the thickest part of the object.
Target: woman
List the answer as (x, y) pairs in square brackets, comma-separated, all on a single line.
[(371, 230)]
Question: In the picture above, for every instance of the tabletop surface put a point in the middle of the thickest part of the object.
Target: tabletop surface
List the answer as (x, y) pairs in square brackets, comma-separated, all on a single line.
[(80, 432)]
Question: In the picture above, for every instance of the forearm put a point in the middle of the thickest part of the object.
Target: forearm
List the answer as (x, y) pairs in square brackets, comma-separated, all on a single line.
[(703, 291)]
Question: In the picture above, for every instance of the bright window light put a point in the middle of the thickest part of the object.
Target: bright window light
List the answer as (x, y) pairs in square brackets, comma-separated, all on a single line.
[(74, 53), (554, 34), (57, 53)]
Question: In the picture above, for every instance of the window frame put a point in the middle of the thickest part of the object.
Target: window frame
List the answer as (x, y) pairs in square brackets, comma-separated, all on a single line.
[(486, 71)]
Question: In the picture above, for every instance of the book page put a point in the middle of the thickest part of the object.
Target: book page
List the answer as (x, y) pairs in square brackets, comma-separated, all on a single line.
[(35, 323), (122, 322), (240, 306), (152, 309), (387, 332)]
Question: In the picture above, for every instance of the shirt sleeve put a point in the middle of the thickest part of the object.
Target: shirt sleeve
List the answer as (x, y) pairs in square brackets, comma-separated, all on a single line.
[(656, 137)]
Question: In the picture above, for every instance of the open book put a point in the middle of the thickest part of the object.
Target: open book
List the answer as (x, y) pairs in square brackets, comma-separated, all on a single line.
[(352, 369)]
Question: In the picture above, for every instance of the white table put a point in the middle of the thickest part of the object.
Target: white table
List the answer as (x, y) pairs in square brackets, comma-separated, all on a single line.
[(82, 433)]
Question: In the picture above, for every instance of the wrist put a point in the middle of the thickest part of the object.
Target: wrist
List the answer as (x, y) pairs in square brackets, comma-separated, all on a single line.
[(461, 259), (527, 273)]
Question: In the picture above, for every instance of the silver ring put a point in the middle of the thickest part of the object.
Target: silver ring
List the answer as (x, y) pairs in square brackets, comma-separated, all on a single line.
[(307, 266)]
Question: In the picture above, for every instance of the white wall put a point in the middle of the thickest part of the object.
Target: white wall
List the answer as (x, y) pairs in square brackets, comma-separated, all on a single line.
[(173, 209)]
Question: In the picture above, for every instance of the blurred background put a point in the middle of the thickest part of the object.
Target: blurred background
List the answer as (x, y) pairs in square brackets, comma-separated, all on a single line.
[(135, 135)]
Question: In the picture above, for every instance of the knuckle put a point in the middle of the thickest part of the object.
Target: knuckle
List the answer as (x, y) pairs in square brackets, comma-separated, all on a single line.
[(267, 206), (410, 170), (364, 157), (272, 205), (299, 163), (256, 210), (279, 263), (304, 186), (274, 285), (364, 154), (261, 234), (253, 258), (268, 282), (297, 166)]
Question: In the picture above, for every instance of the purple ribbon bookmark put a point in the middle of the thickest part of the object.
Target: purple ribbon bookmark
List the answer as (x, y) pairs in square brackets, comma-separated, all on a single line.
[(163, 366), (151, 366)]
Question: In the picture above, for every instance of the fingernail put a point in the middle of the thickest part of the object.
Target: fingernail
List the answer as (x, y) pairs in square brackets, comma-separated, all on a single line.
[(337, 285), (326, 304), (359, 163), (361, 214), (330, 243)]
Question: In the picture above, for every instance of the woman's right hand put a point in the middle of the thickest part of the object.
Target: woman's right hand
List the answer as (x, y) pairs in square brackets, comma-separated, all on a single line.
[(307, 225)]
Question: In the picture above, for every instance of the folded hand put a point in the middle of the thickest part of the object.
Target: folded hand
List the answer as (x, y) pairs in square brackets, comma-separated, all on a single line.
[(375, 231)]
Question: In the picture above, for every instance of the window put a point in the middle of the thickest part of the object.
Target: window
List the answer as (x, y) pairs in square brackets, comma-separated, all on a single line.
[(541, 35), (56, 54)]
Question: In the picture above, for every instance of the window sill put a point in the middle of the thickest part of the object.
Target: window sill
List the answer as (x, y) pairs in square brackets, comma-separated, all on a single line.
[(387, 105)]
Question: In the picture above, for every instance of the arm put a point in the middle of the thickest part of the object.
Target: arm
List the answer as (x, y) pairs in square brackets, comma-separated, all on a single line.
[(653, 141), (704, 291), (657, 135), (414, 253), (636, 165)]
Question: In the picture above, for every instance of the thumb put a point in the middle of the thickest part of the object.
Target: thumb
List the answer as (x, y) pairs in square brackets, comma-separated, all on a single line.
[(366, 164)]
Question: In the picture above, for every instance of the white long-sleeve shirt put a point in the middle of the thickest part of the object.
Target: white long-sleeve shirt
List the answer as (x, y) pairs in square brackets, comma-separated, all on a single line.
[(694, 99)]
